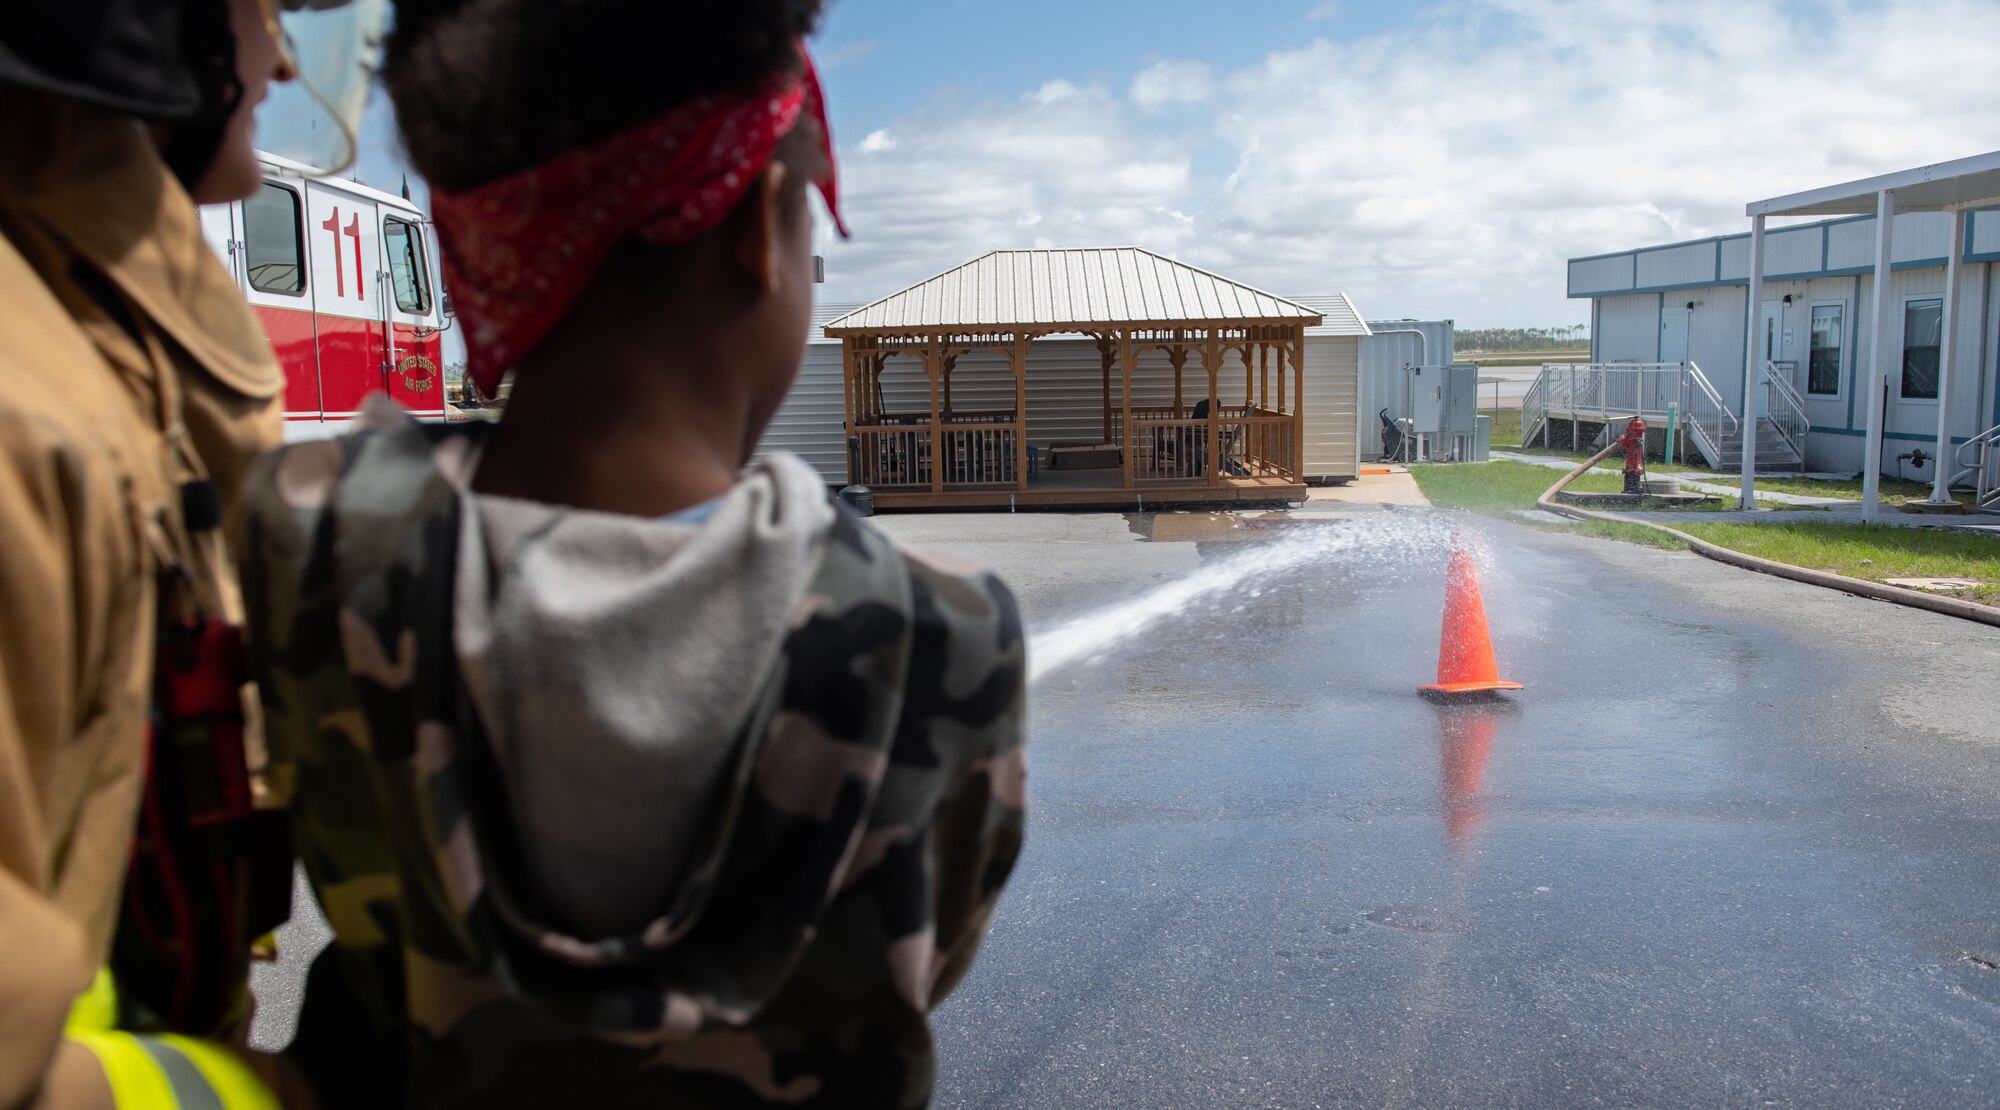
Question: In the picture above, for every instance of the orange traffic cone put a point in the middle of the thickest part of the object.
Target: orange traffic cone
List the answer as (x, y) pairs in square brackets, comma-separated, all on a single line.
[(1465, 652)]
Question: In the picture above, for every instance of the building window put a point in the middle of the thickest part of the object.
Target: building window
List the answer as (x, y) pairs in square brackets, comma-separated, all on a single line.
[(273, 242), (1829, 333), (1923, 328), (406, 266)]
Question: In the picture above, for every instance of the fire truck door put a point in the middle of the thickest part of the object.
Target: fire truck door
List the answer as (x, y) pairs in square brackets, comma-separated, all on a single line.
[(219, 227), (273, 261), (346, 296), (410, 315)]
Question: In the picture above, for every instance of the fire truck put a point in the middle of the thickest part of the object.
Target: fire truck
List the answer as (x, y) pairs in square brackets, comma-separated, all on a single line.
[(344, 279)]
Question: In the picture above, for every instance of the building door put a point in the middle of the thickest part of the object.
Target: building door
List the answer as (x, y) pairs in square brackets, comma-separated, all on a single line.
[(1674, 334), (1771, 332)]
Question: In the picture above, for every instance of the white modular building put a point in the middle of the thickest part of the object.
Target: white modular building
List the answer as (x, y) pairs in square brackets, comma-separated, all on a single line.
[(1813, 329)]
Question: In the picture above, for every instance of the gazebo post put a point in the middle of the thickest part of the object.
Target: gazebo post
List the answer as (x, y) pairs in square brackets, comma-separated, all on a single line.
[(852, 419), (1211, 360), (1104, 356), (1249, 381), (1264, 360), (934, 367), (1020, 359), (1298, 347), (950, 363), (1125, 371)]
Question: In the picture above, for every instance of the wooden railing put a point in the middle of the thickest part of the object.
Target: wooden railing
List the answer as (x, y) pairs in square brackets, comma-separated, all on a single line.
[(980, 454), (1267, 446), (896, 454), (1164, 414), (1172, 450), (1263, 444), (893, 456)]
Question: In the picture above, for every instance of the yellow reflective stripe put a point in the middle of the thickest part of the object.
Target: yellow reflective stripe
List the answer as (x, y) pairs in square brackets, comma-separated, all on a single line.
[(136, 1078), (236, 1087), (175, 1073), (97, 1008)]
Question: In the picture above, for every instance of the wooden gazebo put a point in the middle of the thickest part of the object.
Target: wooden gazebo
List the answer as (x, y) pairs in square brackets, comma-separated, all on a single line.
[(1131, 302)]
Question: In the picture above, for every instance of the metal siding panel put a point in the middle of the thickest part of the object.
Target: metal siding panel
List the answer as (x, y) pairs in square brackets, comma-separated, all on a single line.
[(1065, 392), (1715, 338), (1332, 406), (1676, 266), (1629, 328), (1792, 251), (1921, 235), (1734, 255), (1850, 244), (1381, 377), (809, 423), (1986, 232), (1600, 275)]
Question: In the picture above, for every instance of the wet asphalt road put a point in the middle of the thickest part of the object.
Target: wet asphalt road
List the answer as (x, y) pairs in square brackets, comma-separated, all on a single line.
[(1738, 844)]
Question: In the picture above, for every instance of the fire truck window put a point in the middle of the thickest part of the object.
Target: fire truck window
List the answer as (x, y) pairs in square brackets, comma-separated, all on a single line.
[(273, 241), (406, 266)]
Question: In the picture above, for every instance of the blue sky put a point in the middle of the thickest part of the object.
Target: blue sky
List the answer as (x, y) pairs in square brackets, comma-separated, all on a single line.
[(1431, 159)]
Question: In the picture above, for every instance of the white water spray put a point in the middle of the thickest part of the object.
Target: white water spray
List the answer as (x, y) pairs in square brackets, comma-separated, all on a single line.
[(1388, 538)]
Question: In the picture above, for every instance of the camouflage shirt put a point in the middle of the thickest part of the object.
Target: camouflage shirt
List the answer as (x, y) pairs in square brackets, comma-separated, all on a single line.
[(871, 811)]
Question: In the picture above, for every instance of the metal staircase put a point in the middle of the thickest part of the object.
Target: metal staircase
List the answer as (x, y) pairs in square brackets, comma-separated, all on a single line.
[(1975, 456), (1577, 403)]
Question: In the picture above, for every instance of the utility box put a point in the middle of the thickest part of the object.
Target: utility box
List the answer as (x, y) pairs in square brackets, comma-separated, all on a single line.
[(1461, 399), (1427, 400), (1482, 441)]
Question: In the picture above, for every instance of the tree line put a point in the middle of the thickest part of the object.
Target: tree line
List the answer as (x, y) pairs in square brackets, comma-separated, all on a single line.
[(1575, 337)]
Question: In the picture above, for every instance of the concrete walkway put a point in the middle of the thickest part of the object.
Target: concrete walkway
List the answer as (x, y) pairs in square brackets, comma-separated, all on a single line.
[(1396, 488), (1844, 509)]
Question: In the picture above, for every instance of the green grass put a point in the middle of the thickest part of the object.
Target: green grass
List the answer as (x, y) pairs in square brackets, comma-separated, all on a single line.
[(1876, 552), (1506, 427), (1498, 487)]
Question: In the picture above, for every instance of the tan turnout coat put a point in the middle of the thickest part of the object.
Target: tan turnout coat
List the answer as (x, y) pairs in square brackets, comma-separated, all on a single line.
[(129, 364)]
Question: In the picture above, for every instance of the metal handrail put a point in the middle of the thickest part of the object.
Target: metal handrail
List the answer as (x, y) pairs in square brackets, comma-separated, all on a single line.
[(1790, 420), (1984, 495), (1643, 389), (1708, 418), (1532, 410)]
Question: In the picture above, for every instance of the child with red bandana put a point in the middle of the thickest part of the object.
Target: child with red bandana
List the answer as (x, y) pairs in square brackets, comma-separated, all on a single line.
[(625, 775)]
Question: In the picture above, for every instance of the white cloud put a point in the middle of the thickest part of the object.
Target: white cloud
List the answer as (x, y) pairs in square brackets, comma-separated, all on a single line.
[(1172, 82), (1054, 92), (1322, 12), (1448, 171), (878, 142)]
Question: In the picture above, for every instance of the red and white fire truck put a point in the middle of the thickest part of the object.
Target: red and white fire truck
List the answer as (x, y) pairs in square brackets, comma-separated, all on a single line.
[(344, 279)]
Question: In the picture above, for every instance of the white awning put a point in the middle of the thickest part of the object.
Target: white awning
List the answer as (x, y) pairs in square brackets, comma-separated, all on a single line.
[(1945, 187)]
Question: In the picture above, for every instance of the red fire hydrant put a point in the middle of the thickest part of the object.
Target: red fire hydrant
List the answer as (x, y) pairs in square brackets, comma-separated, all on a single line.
[(1634, 443)]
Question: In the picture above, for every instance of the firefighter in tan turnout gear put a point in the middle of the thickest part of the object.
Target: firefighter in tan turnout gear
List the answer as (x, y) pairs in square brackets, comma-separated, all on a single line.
[(135, 390)]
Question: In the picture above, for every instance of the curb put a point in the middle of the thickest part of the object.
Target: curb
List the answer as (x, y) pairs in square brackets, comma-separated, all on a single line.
[(1860, 587)]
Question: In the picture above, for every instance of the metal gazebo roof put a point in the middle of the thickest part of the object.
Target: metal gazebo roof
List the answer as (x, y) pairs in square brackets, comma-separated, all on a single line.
[(1071, 290)]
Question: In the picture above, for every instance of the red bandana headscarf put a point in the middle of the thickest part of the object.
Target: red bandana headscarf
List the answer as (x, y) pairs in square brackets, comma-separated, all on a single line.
[(520, 250)]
